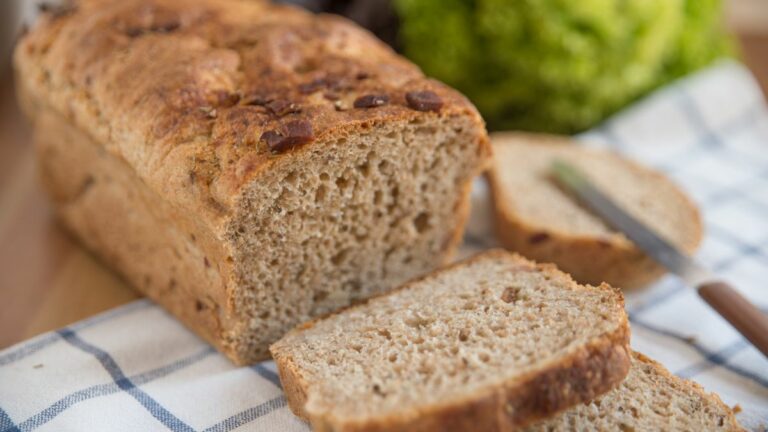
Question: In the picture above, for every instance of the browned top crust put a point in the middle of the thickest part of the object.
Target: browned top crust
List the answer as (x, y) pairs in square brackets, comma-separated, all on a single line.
[(210, 92)]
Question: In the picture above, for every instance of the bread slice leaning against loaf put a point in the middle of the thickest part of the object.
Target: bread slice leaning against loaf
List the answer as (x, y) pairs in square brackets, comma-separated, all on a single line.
[(537, 219), (491, 343), (649, 399), (246, 165)]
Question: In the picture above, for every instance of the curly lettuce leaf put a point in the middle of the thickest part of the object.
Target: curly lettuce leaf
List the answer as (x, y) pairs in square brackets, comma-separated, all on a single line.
[(559, 65)]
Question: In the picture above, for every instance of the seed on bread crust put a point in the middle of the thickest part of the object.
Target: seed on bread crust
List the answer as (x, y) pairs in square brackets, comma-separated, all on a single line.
[(272, 138), (281, 107), (424, 100), (159, 27), (209, 111), (227, 99), (371, 101), (57, 10), (295, 133), (312, 86), (331, 96), (255, 98)]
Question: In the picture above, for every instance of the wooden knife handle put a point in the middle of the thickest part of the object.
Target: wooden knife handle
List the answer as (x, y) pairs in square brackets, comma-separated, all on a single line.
[(743, 315)]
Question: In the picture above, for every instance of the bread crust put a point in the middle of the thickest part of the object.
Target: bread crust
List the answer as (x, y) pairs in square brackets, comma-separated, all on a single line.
[(178, 94), (175, 111), (590, 371), (588, 259), (158, 250)]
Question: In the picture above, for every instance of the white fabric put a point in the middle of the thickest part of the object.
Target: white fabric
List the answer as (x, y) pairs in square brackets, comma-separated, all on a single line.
[(136, 368)]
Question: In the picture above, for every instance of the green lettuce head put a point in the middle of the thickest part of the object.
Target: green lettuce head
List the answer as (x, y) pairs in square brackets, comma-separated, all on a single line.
[(559, 65)]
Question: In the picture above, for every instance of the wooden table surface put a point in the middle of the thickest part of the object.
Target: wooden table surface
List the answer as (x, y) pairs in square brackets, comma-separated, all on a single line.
[(47, 280)]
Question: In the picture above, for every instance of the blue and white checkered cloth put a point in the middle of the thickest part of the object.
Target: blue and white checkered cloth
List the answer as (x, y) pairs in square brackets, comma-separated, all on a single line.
[(136, 368)]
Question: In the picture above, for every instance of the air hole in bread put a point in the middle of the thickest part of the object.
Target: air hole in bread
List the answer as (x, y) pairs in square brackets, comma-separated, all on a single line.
[(364, 169), (340, 257), (394, 194), (291, 178), (353, 286), (385, 167), (320, 194), (421, 222), (377, 391), (342, 183), (435, 162), (425, 130)]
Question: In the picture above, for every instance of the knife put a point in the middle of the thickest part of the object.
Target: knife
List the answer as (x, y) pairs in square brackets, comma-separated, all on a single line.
[(727, 301)]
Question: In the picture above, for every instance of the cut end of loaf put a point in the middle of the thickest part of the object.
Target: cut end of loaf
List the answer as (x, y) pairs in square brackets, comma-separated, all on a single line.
[(347, 219), (494, 341)]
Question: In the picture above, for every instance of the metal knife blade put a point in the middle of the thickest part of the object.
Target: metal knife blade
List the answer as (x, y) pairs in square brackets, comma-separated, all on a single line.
[(645, 238)]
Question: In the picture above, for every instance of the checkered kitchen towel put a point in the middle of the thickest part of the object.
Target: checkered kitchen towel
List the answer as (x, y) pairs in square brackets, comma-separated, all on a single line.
[(136, 368)]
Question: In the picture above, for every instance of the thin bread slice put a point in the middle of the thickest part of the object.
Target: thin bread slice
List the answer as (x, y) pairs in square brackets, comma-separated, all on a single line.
[(650, 398), (540, 221), (491, 343)]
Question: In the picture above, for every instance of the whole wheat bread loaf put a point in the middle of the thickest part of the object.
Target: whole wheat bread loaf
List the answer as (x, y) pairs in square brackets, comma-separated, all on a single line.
[(248, 166), (537, 219), (491, 343), (649, 399)]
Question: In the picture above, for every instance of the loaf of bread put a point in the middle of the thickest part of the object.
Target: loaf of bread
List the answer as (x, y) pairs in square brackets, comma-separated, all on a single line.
[(489, 344), (649, 399), (537, 219), (248, 166)]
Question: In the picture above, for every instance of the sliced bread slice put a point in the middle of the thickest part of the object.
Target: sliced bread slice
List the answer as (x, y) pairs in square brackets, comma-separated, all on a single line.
[(491, 343), (540, 221), (650, 398)]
